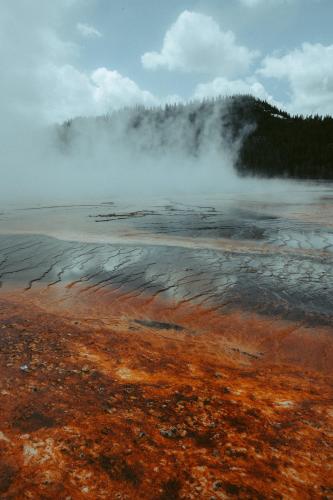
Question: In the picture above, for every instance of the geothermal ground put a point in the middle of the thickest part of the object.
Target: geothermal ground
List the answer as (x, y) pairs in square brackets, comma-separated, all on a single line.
[(168, 350)]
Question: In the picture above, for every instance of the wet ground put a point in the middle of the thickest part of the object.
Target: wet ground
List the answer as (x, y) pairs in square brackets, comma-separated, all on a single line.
[(168, 349)]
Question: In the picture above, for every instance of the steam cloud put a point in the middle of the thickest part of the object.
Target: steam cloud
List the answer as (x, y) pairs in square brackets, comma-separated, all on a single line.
[(42, 162), (101, 159), (148, 151)]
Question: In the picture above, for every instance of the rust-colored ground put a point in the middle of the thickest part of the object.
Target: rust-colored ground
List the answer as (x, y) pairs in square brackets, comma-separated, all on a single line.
[(136, 400)]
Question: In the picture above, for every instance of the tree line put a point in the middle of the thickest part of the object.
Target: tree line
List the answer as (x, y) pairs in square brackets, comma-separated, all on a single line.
[(270, 141)]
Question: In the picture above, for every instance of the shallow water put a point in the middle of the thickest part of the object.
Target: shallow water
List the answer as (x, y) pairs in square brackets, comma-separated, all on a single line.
[(175, 348), (270, 253)]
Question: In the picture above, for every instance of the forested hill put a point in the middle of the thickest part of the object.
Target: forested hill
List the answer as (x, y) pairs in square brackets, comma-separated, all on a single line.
[(284, 145), (271, 142)]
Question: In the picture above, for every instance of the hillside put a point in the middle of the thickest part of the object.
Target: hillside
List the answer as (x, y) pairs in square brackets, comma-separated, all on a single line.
[(268, 142), (284, 145)]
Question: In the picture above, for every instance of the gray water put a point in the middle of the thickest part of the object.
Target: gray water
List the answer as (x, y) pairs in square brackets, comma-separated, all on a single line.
[(268, 252)]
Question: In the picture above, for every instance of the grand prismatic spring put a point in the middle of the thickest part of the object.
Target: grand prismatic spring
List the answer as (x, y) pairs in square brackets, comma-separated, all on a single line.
[(171, 349)]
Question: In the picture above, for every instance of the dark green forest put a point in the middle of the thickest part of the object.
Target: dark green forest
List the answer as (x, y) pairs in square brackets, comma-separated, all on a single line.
[(282, 145), (270, 142)]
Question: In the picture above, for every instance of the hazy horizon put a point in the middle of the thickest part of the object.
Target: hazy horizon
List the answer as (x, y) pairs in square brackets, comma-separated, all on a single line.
[(91, 57)]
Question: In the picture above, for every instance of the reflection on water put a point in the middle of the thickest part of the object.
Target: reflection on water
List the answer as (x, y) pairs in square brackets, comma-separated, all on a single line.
[(145, 347), (268, 253)]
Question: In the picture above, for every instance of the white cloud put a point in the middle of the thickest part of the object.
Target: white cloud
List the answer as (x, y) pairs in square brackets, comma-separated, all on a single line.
[(223, 87), (69, 92), (115, 91), (196, 43), (88, 31), (29, 43), (309, 72), (66, 92), (40, 81)]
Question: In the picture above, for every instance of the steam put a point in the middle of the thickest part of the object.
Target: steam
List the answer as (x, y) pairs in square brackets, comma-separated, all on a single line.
[(152, 152), (134, 152), (99, 158)]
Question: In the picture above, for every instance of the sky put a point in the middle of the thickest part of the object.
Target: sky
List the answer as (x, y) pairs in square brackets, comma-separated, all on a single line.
[(89, 57)]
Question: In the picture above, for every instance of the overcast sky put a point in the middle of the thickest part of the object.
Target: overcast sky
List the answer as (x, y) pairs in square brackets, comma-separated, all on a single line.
[(66, 58)]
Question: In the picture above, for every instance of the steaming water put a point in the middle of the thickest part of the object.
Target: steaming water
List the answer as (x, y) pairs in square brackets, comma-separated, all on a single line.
[(268, 252)]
